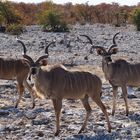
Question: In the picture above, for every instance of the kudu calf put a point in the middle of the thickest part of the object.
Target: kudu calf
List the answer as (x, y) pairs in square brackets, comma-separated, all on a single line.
[(11, 69), (57, 83), (119, 73)]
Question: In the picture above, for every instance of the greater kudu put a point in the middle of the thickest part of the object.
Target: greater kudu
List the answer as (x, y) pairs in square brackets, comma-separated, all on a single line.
[(58, 83), (119, 73)]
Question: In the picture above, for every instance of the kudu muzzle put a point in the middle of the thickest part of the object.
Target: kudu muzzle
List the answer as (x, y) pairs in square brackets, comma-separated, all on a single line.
[(34, 70)]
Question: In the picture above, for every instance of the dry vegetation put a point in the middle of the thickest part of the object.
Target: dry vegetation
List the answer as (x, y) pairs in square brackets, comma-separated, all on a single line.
[(29, 14)]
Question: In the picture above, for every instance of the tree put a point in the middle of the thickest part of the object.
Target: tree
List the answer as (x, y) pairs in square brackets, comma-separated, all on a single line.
[(52, 21), (136, 18), (8, 15), (84, 12)]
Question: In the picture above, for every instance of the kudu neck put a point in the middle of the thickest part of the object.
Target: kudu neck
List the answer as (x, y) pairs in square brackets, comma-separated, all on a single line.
[(106, 67)]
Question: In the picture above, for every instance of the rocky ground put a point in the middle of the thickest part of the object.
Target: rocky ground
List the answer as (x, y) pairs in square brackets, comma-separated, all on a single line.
[(39, 123)]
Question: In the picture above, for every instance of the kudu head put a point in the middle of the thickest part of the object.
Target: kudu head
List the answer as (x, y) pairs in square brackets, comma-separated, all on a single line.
[(35, 65), (106, 54)]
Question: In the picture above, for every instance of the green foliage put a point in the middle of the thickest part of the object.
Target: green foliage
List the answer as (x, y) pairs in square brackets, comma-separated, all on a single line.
[(52, 21), (1, 20), (136, 18), (14, 29), (7, 13)]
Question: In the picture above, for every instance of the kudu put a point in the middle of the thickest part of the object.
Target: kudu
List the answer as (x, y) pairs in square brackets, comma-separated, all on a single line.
[(119, 73), (16, 69), (58, 83)]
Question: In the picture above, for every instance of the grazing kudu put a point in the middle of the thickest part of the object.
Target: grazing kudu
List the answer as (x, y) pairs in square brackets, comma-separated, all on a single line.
[(58, 83), (119, 73), (16, 69)]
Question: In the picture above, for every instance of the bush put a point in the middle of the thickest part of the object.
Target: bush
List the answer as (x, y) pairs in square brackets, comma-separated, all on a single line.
[(136, 18), (2, 29), (57, 28), (7, 14), (52, 21), (14, 29)]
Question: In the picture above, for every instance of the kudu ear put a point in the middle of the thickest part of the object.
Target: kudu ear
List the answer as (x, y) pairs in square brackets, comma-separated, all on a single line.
[(43, 62), (113, 50), (99, 51)]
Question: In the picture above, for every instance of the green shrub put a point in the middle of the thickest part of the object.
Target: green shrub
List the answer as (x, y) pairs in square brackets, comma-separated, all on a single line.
[(14, 29), (57, 28), (136, 18), (53, 21), (8, 15)]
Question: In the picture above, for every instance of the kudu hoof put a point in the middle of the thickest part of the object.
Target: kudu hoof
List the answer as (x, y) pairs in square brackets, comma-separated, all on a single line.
[(15, 106), (113, 113), (80, 131), (126, 114), (56, 133), (33, 106)]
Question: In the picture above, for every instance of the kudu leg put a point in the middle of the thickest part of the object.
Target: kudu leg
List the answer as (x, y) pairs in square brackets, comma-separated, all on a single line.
[(88, 112), (57, 103), (31, 92), (103, 108), (124, 91), (20, 92), (115, 89)]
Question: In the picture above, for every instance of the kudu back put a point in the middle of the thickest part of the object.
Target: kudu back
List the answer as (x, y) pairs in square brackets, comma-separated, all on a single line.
[(58, 83), (119, 73), (16, 69)]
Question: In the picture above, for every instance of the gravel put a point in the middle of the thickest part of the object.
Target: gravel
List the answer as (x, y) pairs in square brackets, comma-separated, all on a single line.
[(39, 123)]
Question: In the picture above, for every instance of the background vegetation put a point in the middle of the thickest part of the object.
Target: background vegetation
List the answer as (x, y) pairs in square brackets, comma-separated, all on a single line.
[(53, 16), (136, 18)]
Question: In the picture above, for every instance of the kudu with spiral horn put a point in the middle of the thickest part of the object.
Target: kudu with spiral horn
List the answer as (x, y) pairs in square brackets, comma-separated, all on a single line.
[(16, 69), (58, 83), (119, 73)]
